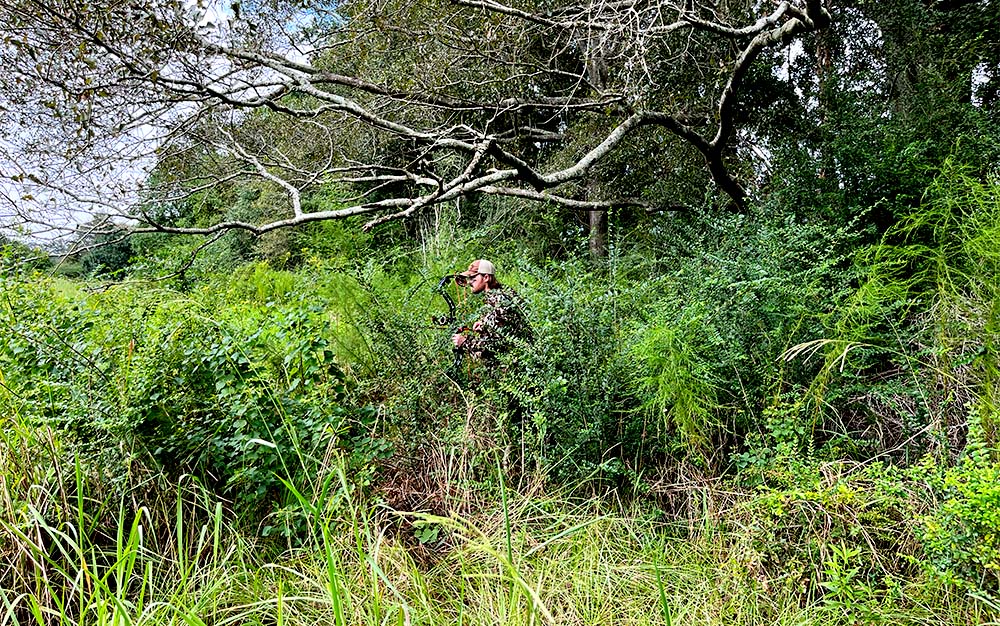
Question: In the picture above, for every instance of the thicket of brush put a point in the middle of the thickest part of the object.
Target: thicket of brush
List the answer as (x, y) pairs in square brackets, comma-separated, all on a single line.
[(734, 419)]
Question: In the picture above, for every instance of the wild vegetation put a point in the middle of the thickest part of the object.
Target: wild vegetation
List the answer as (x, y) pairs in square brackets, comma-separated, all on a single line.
[(758, 248)]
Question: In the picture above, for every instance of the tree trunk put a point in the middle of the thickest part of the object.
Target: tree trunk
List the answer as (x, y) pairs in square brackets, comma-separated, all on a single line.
[(598, 244), (597, 220)]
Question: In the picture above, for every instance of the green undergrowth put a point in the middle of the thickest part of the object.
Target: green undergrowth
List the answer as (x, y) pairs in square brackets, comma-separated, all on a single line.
[(235, 386), (910, 355), (841, 547), (740, 419)]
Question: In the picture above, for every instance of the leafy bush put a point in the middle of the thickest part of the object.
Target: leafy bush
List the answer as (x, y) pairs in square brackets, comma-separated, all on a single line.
[(243, 396), (835, 533), (723, 301), (562, 399), (961, 535)]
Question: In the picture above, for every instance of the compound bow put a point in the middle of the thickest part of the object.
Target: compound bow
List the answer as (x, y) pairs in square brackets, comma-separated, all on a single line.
[(449, 319)]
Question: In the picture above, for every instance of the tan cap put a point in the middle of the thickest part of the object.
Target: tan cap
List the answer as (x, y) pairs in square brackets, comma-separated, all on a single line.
[(482, 266)]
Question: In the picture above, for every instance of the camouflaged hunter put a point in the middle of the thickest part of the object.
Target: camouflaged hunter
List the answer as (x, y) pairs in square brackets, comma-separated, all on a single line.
[(501, 321)]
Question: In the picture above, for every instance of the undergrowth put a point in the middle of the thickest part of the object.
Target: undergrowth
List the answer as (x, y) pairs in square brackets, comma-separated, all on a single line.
[(837, 549), (736, 419), (834, 544)]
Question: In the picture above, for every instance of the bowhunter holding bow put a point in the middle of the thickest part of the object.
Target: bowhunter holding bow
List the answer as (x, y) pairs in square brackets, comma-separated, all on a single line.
[(501, 320)]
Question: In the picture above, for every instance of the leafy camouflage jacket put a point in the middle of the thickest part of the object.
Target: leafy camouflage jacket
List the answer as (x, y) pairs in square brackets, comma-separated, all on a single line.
[(501, 323)]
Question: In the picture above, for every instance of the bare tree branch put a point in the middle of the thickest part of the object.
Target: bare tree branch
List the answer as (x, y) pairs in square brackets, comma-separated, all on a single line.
[(471, 97)]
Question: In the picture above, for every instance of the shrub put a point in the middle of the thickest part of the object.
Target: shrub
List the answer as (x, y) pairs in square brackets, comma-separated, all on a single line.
[(961, 535), (925, 320), (243, 397), (561, 397)]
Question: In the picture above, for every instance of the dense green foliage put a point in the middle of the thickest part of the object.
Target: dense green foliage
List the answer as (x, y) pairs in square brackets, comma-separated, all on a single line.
[(847, 390), (788, 413)]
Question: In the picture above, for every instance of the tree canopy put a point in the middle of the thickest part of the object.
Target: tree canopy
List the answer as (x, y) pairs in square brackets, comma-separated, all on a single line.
[(402, 105), (142, 111)]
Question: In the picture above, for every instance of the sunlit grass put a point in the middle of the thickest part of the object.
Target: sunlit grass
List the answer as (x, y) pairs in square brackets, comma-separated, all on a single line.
[(531, 559)]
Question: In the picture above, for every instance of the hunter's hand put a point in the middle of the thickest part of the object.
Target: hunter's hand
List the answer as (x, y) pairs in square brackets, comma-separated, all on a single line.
[(458, 339)]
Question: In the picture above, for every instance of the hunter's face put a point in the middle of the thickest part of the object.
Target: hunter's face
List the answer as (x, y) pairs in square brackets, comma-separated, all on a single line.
[(478, 282)]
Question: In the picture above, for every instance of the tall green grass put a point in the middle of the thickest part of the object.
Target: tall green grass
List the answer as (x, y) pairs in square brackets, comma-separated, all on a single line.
[(156, 555)]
